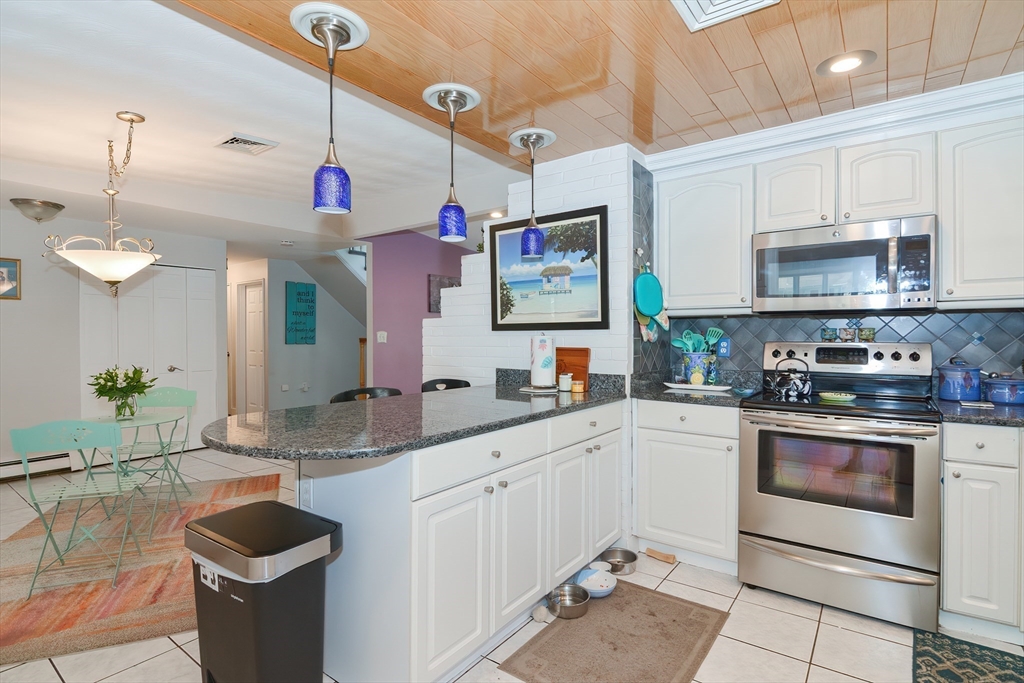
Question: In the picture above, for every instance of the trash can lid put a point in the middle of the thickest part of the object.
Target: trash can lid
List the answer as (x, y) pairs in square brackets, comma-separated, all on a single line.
[(265, 528)]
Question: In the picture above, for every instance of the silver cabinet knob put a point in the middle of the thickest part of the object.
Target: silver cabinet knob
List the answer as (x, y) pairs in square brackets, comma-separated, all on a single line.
[(743, 299), (949, 291), (682, 418), (590, 450), (956, 475), (728, 448), (979, 445), (824, 217), (836, 233), (488, 489), (846, 215), (597, 446), (173, 368), (496, 454), (593, 423), (503, 484)]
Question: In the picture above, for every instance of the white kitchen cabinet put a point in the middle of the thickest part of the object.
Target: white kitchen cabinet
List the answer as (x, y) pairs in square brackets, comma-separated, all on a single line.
[(687, 491), (705, 224), (519, 536), (981, 219), (451, 570), (797, 191), (604, 474), (887, 179), (570, 513), (980, 541)]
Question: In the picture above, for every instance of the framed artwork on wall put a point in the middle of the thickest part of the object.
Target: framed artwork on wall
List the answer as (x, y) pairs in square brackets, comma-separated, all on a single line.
[(567, 289), (10, 278), (435, 283)]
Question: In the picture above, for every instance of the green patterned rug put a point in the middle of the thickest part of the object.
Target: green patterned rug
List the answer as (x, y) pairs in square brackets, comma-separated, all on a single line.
[(941, 659)]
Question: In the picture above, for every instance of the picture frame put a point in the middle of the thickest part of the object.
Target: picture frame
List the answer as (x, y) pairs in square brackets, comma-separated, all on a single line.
[(567, 289), (435, 283), (10, 279)]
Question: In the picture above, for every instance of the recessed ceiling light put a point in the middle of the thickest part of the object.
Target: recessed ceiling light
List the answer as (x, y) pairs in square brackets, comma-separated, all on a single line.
[(496, 214), (844, 63), (287, 243)]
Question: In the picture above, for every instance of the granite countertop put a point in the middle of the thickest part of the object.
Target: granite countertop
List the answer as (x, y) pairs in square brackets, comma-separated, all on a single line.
[(1000, 415), (655, 392), (383, 426)]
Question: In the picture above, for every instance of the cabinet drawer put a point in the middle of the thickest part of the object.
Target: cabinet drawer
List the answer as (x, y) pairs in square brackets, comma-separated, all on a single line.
[(982, 444), (444, 466), (576, 427), (690, 418)]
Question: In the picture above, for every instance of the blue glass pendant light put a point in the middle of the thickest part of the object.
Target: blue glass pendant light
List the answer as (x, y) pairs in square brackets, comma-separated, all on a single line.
[(531, 246), (452, 98), (335, 28)]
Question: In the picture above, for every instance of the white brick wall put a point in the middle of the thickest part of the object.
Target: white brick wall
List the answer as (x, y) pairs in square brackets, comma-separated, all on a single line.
[(461, 345)]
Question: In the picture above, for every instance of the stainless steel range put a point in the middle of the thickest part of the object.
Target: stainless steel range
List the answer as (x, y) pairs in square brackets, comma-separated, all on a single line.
[(839, 500)]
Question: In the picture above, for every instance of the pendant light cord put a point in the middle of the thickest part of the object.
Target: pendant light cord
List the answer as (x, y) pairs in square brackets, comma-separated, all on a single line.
[(330, 84), (532, 213), (451, 150)]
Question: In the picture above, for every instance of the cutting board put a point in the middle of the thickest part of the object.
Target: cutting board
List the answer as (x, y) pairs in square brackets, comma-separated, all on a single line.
[(575, 360)]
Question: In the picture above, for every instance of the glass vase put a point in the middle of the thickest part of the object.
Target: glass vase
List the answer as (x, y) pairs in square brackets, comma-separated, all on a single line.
[(124, 408)]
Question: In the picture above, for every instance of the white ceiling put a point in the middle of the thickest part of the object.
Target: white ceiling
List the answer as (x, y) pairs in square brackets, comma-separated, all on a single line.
[(67, 66)]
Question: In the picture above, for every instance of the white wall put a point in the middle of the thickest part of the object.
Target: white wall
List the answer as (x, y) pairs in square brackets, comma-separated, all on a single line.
[(39, 335), (460, 344)]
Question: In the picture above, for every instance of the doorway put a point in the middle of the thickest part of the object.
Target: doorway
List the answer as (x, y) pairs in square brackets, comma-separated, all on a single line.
[(251, 342)]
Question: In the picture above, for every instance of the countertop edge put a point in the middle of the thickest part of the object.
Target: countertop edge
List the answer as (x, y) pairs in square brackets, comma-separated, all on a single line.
[(414, 444)]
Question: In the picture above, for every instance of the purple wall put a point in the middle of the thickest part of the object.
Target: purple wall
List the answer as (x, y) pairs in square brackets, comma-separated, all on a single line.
[(401, 263)]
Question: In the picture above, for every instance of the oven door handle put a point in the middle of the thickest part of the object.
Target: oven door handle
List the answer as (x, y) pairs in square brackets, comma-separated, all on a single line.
[(847, 429), (838, 568)]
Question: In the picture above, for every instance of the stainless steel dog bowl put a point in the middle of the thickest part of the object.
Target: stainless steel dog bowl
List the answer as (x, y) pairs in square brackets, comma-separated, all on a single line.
[(569, 601), (622, 561)]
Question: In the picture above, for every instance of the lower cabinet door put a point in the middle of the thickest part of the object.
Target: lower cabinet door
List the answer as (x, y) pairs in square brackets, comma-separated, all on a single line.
[(519, 537), (570, 541), (687, 491), (605, 474), (980, 541), (450, 577)]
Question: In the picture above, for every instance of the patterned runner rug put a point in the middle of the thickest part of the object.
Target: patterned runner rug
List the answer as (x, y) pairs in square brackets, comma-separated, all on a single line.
[(939, 658), (154, 595)]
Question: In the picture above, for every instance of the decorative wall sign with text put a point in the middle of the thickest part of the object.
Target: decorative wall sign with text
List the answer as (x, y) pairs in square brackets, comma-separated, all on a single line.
[(300, 312)]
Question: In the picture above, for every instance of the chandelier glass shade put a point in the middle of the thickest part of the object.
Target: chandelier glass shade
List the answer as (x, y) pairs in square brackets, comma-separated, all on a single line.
[(112, 260)]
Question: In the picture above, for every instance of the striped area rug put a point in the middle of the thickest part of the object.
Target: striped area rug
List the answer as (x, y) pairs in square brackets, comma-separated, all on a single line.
[(154, 595)]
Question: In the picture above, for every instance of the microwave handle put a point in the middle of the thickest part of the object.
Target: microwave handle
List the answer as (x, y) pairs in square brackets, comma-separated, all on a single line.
[(894, 264), (838, 568), (847, 429)]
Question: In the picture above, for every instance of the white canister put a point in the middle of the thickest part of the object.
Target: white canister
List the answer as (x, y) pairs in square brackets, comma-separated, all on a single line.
[(542, 361), (565, 381)]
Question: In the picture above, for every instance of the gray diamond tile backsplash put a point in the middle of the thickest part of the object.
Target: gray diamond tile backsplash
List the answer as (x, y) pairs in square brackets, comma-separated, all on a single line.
[(992, 339), (647, 356)]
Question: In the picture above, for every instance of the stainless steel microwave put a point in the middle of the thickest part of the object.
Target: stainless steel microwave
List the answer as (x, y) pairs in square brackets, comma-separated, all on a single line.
[(859, 266)]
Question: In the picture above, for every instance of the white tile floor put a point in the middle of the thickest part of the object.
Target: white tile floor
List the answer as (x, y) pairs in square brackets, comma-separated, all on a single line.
[(769, 637)]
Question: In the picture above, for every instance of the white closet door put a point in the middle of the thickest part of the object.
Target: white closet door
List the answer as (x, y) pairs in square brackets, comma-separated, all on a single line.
[(135, 322), (201, 291), (97, 342), (169, 328)]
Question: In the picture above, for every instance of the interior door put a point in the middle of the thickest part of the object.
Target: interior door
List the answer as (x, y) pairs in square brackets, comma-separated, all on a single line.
[(520, 528), (254, 351), (202, 349), (170, 350)]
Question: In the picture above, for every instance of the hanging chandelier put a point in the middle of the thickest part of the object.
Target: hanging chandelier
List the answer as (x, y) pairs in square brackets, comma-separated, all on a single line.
[(334, 28), (531, 246), (114, 261), (452, 98)]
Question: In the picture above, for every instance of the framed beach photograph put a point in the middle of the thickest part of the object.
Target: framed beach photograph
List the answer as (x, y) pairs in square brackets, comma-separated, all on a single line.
[(10, 278), (567, 289)]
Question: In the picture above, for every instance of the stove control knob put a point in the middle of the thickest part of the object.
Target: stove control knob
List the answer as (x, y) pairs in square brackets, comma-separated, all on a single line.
[(879, 355), (790, 354), (915, 356), (896, 355), (776, 353)]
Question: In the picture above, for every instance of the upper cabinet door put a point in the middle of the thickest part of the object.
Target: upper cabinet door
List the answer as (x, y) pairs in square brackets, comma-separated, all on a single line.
[(797, 192), (704, 228), (887, 179), (980, 235)]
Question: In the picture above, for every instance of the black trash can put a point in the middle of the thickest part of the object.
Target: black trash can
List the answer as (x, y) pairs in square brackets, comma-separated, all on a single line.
[(259, 573)]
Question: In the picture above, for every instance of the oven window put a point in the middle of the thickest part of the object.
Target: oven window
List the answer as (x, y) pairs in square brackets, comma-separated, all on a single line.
[(842, 269), (844, 472)]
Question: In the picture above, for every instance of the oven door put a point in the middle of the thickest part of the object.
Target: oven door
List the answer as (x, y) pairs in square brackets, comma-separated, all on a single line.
[(868, 488)]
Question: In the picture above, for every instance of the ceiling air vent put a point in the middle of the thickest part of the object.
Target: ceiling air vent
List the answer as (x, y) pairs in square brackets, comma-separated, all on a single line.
[(699, 14), (246, 144)]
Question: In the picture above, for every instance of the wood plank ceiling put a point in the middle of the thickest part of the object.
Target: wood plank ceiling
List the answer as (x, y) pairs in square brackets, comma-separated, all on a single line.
[(601, 72)]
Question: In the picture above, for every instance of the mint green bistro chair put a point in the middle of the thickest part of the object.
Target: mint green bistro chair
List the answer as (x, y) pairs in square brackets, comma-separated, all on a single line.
[(74, 435), (169, 449)]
